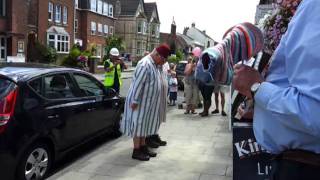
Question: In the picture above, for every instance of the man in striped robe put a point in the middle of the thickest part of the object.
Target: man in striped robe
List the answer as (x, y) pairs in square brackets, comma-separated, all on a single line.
[(142, 108)]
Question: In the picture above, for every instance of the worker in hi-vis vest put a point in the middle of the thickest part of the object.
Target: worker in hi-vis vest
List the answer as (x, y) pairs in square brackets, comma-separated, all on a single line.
[(113, 68)]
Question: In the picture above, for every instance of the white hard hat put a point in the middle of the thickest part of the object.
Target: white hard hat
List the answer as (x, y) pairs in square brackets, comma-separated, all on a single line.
[(114, 52)]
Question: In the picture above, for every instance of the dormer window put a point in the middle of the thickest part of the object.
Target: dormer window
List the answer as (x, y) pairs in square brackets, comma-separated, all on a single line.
[(139, 30), (110, 10)]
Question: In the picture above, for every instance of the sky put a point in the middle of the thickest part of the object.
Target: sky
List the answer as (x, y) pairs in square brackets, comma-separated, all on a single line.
[(214, 16)]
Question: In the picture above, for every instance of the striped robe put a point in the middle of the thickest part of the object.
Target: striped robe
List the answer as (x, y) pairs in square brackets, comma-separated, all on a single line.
[(164, 95), (145, 90)]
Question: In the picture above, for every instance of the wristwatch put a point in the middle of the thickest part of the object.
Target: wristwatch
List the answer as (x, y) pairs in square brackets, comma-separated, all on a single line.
[(254, 88)]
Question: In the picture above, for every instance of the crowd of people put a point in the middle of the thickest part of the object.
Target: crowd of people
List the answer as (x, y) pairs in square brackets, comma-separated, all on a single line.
[(284, 97)]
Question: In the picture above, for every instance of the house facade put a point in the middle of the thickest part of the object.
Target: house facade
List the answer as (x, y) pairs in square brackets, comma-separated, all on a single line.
[(94, 21), (138, 27), (23, 23), (198, 35)]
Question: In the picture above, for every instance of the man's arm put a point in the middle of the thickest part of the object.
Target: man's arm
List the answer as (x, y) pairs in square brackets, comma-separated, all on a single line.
[(301, 100)]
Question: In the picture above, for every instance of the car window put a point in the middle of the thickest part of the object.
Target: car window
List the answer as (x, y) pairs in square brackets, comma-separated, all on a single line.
[(5, 86), (88, 86), (57, 86), (36, 85)]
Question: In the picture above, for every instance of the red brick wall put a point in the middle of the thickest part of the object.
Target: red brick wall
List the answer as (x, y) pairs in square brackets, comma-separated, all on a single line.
[(85, 27), (44, 24)]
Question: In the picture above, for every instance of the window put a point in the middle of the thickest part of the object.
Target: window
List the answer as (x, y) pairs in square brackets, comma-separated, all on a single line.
[(57, 86), (144, 27), (60, 42), (105, 9), (3, 48), (143, 48), (88, 86), (93, 5), (93, 28), (58, 14), (65, 15), (2, 7), (76, 3), (111, 30), (100, 6), (139, 27), (153, 30), (36, 85), (110, 10), (100, 28), (50, 11), (105, 29), (98, 51), (158, 31), (20, 46), (139, 50), (76, 25)]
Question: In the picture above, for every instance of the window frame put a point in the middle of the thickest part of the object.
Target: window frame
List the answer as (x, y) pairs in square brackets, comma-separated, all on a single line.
[(99, 84), (139, 48), (110, 11), (65, 15), (105, 9), (57, 17), (93, 2), (111, 30), (140, 26), (105, 29), (100, 6), (93, 30), (100, 28), (64, 42), (76, 4), (3, 11), (50, 11), (76, 25)]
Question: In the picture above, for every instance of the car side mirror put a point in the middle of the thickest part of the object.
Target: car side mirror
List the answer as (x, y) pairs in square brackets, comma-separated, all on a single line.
[(110, 92), (30, 103)]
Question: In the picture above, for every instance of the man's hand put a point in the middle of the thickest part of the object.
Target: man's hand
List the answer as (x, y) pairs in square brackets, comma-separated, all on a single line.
[(244, 77), (134, 106)]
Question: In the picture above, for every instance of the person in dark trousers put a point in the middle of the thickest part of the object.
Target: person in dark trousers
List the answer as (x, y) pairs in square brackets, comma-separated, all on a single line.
[(287, 102)]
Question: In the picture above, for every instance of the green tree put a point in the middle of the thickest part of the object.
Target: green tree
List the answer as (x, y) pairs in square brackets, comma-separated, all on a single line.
[(179, 54), (113, 42)]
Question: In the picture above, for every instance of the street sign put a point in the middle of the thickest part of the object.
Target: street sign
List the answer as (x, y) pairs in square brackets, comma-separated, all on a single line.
[(250, 160)]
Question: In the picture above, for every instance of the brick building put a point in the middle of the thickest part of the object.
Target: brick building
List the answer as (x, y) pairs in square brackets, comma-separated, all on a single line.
[(93, 23), (22, 23)]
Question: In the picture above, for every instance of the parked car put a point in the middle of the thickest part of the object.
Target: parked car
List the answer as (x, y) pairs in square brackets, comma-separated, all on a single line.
[(47, 111), (180, 73)]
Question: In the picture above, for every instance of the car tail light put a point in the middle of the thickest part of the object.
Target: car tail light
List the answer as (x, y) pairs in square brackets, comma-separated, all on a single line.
[(7, 105)]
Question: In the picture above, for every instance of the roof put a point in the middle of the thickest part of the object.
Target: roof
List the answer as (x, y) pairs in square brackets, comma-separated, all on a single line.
[(149, 8), (129, 7), (26, 71)]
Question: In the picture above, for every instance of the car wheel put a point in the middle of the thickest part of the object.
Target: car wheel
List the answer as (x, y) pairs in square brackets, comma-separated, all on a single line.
[(35, 163)]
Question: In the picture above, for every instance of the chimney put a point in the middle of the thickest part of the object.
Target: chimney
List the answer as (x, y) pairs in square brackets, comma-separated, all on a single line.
[(193, 25), (185, 30), (204, 31), (173, 27)]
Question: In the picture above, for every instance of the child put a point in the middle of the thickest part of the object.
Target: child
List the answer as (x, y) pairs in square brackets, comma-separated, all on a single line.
[(173, 88)]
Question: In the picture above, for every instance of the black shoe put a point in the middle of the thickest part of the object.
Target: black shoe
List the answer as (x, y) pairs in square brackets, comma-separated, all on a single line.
[(140, 155), (150, 142), (223, 113), (147, 151), (157, 139), (216, 111)]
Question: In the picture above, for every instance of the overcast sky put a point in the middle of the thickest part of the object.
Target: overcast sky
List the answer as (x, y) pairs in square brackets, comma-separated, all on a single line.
[(214, 16)]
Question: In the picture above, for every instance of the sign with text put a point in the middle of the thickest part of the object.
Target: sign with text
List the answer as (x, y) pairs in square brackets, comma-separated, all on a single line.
[(250, 160)]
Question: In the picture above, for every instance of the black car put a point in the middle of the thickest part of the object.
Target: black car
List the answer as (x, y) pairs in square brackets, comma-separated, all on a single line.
[(47, 111), (180, 73)]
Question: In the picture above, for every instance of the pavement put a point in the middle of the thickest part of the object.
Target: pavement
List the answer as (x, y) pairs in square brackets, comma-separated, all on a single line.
[(198, 149)]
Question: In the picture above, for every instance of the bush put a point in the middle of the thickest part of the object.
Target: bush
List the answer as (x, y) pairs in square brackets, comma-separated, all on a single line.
[(173, 59), (42, 54), (76, 58)]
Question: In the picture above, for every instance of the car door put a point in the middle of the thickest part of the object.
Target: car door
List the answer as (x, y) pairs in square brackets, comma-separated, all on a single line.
[(103, 108), (66, 112)]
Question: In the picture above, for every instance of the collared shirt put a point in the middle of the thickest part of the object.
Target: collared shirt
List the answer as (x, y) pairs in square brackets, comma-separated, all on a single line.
[(287, 105)]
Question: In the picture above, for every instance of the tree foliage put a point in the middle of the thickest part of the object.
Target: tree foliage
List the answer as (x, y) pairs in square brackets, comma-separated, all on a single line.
[(113, 42)]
